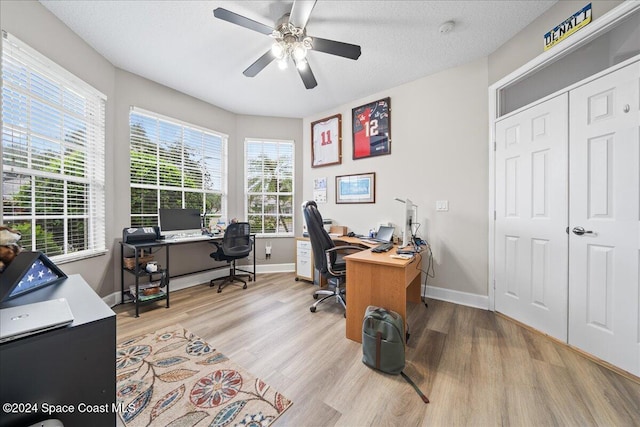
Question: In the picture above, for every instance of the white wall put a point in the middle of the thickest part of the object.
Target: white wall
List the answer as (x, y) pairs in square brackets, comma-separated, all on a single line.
[(438, 152)]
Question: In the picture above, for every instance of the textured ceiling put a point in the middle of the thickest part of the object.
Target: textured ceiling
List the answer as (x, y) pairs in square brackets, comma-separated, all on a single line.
[(181, 45)]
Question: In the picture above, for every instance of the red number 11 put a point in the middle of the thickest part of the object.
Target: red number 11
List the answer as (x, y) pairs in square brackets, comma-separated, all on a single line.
[(326, 138)]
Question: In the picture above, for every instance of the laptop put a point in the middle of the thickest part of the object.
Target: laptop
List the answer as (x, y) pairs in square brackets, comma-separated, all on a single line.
[(384, 235), (28, 319)]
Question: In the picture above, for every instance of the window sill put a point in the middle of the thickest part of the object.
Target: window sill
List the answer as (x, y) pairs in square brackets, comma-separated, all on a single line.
[(64, 259), (274, 236)]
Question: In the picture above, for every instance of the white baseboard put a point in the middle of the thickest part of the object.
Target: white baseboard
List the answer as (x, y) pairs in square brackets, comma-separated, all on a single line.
[(442, 294), (276, 268), (190, 280), (457, 297)]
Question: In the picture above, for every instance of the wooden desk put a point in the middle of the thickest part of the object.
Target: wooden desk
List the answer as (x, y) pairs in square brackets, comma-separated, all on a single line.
[(355, 241), (377, 279)]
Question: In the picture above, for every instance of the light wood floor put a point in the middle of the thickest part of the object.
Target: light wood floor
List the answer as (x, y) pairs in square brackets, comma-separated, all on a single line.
[(477, 368)]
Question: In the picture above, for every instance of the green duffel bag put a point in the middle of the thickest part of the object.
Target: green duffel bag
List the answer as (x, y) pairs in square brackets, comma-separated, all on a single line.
[(383, 340)]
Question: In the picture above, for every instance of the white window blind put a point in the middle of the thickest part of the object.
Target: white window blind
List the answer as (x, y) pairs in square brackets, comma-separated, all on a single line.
[(53, 143), (269, 176), (175, 165)]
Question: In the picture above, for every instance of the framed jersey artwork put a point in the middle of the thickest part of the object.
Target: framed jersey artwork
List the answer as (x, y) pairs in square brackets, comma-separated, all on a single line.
[(372, 129), (326, 141)]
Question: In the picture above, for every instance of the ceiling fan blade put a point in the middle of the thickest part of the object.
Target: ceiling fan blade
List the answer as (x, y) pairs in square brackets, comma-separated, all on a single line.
[(234, 18), (332, 47), (260, 63), (300, 12), (307, 76)]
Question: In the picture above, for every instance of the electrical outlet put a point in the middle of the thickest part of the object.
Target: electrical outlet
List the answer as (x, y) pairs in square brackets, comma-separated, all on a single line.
[(267, 250), (442, 205)]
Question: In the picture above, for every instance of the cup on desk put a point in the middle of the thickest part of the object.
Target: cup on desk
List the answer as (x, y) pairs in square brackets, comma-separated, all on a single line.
[(152, 267)]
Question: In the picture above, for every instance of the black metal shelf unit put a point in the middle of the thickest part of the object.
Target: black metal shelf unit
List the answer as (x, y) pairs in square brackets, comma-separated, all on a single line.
[(139, 271)]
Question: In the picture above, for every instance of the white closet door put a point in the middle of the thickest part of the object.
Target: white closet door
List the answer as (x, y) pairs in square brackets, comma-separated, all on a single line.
[(605, 200), (531, 243)]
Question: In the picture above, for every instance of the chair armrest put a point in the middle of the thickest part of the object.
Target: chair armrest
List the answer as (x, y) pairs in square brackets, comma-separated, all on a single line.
[(345, 247), (342, 248)]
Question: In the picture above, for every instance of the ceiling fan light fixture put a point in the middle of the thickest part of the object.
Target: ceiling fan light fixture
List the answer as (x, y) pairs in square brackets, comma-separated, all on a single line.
[(301, 64), (290, 41), (299, 52), (278, 50), (306, 42), (282, 63)]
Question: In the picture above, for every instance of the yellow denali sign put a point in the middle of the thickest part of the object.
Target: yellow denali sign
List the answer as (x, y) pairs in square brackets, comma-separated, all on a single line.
[(568, 27)]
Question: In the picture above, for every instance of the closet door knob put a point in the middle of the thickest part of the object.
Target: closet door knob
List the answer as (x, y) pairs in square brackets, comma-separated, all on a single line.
[(580, 231), (626, 108)]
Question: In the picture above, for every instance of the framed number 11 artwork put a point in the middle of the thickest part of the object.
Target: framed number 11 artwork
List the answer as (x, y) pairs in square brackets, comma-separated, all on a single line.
[(326, 141), (372, 129)]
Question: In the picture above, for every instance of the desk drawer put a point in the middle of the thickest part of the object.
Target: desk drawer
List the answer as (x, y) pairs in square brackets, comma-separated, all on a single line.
[(304, 259), (304, 253), (304, 268), (304, 245)]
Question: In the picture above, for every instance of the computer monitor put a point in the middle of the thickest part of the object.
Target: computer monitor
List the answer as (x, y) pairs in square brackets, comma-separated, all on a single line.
[(407, 233), (179, 221)]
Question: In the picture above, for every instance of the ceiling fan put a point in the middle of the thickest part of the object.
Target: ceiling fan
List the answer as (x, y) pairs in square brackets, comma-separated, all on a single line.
[(291, 42)]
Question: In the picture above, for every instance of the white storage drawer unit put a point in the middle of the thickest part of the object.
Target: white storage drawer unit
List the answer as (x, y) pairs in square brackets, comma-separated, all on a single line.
[(304, 259)]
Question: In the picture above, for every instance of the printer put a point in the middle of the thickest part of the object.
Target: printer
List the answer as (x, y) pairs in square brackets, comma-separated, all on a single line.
[(140, 235)]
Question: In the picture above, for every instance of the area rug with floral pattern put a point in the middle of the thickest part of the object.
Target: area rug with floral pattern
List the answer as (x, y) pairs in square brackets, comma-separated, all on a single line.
[(174, 378)]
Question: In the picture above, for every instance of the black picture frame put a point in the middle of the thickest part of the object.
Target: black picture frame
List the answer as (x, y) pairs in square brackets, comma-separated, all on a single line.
[(372, 129), (357, 188), (14, 275)]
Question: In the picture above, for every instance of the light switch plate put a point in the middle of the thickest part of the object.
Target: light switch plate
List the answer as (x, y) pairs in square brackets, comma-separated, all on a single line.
[(442, 205)]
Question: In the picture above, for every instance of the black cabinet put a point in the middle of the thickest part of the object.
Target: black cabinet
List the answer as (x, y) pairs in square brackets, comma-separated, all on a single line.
[(69, 371)]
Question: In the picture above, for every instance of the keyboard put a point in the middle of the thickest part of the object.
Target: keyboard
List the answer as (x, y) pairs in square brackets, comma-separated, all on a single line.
[(383, 247), (371, 241), (188, 237)]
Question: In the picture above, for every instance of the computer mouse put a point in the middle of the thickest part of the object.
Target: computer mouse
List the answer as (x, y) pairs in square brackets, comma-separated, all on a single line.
[(351, 234)]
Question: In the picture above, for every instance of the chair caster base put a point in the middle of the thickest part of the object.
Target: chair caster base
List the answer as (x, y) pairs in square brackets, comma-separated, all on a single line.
[(312, 309), (315, 296), (245, 286)]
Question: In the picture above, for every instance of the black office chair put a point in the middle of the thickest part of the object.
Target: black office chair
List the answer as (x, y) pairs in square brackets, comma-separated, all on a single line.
[(327, 257), (236, 244)]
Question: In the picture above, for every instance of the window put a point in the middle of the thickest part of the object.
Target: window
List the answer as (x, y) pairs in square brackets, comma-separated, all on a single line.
[(53, 142), (269, 186), (586, 58), (175, 165)]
